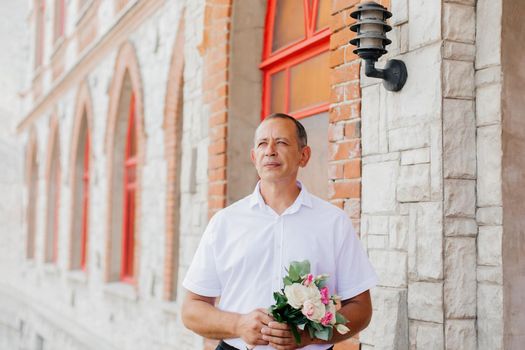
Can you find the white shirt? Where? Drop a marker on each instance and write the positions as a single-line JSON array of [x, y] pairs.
[[246, 247]]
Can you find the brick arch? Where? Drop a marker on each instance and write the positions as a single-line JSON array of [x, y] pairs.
[[173, 133], [53, 139], [31, 179], [126, 71], [83, 114]]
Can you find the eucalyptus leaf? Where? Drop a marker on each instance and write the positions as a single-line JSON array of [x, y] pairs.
[[323, 334], [339, 318]]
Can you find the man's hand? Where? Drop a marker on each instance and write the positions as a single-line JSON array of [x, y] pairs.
[[249, 327], [280, 336]]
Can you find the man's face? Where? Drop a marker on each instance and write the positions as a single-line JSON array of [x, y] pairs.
[[276, 153]]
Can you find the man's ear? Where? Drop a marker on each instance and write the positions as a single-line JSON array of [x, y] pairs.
[[306, 152], [252, 156]]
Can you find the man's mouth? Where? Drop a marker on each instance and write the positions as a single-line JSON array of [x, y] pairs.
[[272, 165]]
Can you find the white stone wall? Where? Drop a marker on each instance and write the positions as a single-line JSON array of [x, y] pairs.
[[427, 151], [70, 310]]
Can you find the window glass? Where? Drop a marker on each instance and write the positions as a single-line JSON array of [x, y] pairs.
[[323, 15], [278, 91], [289, 23]]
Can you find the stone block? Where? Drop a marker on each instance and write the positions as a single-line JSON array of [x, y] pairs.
[[488, 105], [376, 241], [380, 158], [370, 119], [405, 110], [379, 187], [461, 227], [377, 225], [436, 160], [490, 245], [389, 326], [490, 316], [425, 241], [460, 277], [460, 334], [425, 22], [399, 9], [459, 22], [425, 301], [460, 198], [488, 33], [413, 184], [459, 51], [490, 274], [415, 156], [428, 337], [458, 79], [488, 75], [410, 137], [398, 232], [391, 267], [459, 139], [490, 216], [489, 166]]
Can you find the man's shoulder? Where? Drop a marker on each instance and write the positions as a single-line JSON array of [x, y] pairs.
[[239, 207], [326, 208]]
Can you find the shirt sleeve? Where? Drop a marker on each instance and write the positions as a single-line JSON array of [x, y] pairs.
[[355, 273], [202, 277]]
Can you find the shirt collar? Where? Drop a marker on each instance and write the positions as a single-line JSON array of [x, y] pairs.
[[304, 198]]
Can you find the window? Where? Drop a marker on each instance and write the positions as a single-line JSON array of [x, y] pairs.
[[32, 172], [130, 183], [53, 201], [40, 6], [81, 197], [296, 75], [59, 22]]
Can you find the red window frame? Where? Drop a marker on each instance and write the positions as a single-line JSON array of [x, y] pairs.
[[85, 202], [314, 43], [130, 184], [60, 19], [40, 6]]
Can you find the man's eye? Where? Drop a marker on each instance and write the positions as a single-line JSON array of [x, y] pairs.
[[261, 144]]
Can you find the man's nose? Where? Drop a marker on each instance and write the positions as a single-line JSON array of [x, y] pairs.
[[270, 149]]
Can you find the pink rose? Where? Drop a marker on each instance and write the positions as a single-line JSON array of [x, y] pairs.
[[325, 296], [308, 279], [313, 310], [327, 318]]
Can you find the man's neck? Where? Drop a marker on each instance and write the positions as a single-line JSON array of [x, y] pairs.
[[279, 195]]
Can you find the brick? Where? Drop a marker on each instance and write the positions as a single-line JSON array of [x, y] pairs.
[[353, 130], [345, 73], [335, 132], [347, 189], [335, 171], [337, 94], [218, 118], [338, 203], [218, 132], [345, 112], [352, 91], [217, 161], [217, 147], [217, 189], [217, 174], [350, 56], [220, 12], [352, 169], [345, 150], [337, 57], [339, 5], [340, 38]]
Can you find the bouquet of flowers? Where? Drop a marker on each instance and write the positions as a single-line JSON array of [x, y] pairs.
[[306, 304]]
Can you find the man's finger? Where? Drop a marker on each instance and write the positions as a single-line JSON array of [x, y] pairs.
[[282, 333], [264, 317], [278, 325]]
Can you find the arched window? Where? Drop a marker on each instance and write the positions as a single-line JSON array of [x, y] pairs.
[[59, 20], [40, 9], [296, 75], [81, 183], [53, 199], [32, 194], [130, 184]]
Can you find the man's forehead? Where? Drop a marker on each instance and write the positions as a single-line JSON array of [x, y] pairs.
[[276, 128]]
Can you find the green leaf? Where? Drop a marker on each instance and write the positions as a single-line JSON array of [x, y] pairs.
[[339, 318], [323, 334], [295, 333], [287, 281], [298, 269], [311, 331]]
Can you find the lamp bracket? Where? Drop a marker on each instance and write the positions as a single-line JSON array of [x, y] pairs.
[[394, 74]]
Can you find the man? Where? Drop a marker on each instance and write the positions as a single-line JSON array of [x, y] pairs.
[[246, 247]]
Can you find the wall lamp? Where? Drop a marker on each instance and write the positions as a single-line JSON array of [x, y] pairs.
[[371, 40]]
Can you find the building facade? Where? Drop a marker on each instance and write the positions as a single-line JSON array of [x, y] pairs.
[[130, 124]]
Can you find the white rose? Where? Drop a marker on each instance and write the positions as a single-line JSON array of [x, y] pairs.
[[312, 293], [296, 294], [314, 310], [331, 308]]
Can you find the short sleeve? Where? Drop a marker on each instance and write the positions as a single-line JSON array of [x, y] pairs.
[[355, 273], [202, 278]]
